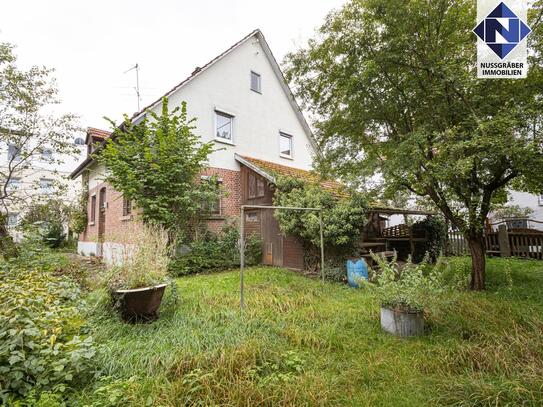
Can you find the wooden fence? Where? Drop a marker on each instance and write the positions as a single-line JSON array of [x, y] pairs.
[[502, 243]]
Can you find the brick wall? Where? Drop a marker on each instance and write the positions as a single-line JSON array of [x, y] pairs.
[[114, 220]]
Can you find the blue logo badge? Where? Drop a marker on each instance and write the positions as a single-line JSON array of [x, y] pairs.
[[502, 30]]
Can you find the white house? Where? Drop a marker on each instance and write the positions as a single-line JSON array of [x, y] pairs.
[[243, 104]]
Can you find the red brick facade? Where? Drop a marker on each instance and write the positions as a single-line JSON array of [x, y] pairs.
[[114, 221]]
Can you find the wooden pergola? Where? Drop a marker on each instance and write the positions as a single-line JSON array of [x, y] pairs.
[[378, 239]]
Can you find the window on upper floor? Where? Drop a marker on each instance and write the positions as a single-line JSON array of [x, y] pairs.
[[93, 209], [540, 200], [285, 145], [127, 206], [13, 153], [256, 82], [46, 154], [255, 187], [224, 127], [13, 219], [14, 183], [46, 186]]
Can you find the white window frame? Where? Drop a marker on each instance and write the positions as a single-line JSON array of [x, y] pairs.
[[232, 117], [259, 90], [49, 189], [14, 184], [290, 137], [10, 216], [17, 154], [44, 157]]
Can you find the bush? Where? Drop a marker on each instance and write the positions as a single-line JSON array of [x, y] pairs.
[[407, 288], [436, 234], [42, 345], [216, 251]]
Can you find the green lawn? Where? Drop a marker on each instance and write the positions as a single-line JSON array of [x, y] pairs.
[[302, 343]]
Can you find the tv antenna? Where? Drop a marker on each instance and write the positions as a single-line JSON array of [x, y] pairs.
[[137, 88]]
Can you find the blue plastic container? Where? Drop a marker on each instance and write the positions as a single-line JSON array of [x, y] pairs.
[[356, 270]]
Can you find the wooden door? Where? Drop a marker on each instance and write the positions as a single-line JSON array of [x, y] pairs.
[[272, 240]]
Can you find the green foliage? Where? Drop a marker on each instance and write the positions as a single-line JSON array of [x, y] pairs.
[[394, 88], [42, 342], [408, 287], [48, 219], [436, 233], [343, 217], [157, 164], [217, 251], [512, 211], [29, 123], [78, 214], [301, 342]]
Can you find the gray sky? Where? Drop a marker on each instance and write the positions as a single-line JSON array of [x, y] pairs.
[[91, 43]]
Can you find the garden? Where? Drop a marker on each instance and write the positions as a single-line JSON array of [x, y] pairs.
[[298, 342]]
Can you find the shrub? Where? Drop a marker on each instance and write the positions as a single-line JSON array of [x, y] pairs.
[[142, 259], [407, 288], [217, 251], [436, 234], [42, 345]]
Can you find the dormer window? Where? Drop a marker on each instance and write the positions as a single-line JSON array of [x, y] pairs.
[[285, 145], [255, 82]]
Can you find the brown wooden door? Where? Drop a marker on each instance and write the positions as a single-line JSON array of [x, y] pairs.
[[272, 240]]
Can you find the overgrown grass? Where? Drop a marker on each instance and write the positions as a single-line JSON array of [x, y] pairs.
[[302, 343]]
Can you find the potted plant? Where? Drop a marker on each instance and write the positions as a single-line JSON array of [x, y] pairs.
[[139, 276], [403, 292]]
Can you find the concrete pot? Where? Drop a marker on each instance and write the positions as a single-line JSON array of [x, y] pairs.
[[402, 323], [139, 304]]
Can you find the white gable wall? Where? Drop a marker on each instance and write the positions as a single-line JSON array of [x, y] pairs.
[[225, 86]]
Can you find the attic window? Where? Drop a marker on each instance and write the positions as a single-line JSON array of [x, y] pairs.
[[255, 82], [285, 145]]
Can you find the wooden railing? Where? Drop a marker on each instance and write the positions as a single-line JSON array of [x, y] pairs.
[[504, 243]]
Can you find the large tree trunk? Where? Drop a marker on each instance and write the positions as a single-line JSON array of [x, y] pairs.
[[478, 261], [8, 249]]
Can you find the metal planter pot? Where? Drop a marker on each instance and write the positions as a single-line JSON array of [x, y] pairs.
[[402, 323], [139, 304]]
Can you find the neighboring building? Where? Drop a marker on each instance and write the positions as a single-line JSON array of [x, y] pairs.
[[527, 200], [242, 103], [48, 174]]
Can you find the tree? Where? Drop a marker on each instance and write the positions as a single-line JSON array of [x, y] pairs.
[[28, 128], [393, 87], [157, 163], [344, 216], [50, 218]]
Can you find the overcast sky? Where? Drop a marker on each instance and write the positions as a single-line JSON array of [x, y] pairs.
[[91, 43]]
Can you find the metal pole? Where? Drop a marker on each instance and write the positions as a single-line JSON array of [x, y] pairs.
[[322, 245], [241, 256]]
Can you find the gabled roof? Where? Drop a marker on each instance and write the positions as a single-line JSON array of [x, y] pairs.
[[198, 71], [95, 133], [271, 171], [276, 69]]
